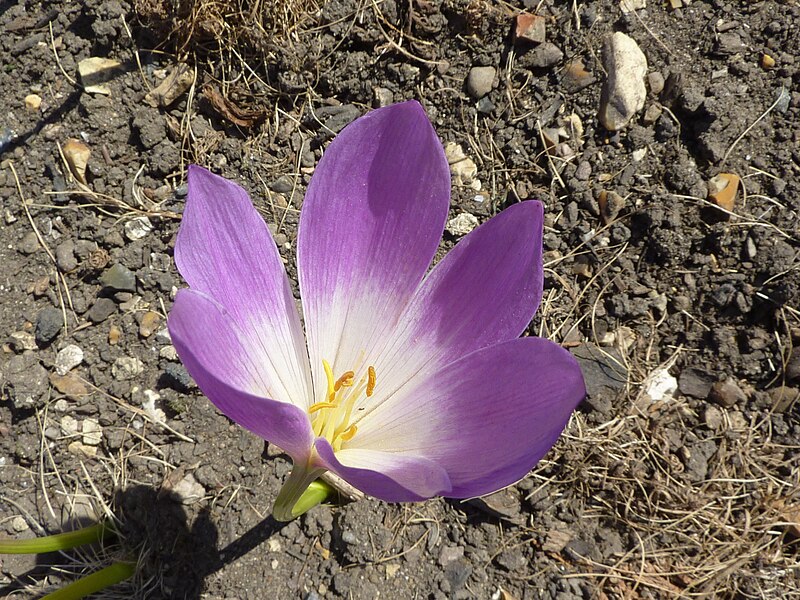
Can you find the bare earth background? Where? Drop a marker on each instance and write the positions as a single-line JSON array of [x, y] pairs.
[[691, 494]]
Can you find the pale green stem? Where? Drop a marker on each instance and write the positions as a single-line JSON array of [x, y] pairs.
[[59, 541], [298, 495], [94, 583]]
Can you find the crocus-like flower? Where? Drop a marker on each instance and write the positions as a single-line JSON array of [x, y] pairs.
[[407, 384]]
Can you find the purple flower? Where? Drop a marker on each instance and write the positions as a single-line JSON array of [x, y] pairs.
[[407, 384]]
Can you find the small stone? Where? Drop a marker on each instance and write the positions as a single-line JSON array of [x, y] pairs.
[[783, 398], [767, 62], [69, 425], [462, 168], [381, 97], [82, 450], [576, 77], [149, 323], [168, 353], [120, 278], [101, 310], [484, 106], [114, 335], [149, 406], [68, 358], [624, 91], [480, 81], [530, 28], [611, 203], [695, 383], [29, 243], [584, 171], [722, 190], [137, 228], [177, 377], [49, 322], [713, 418], [69, 385], [652, 114], [92, 432], [660, 385], [65, 256], [188, 490], [462, 224], [95, 71], [544, 56], [127, 367], [656, 82], [33, 102], [793, 365], [727, 393], [556, 540], [22, 340], [450, 554], [19, 524], [629, 6], [511, 560], [503, 504]]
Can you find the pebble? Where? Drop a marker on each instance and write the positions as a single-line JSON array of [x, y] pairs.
[[381, 97], [530, 28], [120, 278], [92, 432], [69, 385], [65, 256], [168, 353], [576, 77], [462, 168], [69, 425], [68, 358], [722, 190], [624, 91], [584, 170], [114, 335], [33, 102], [450, 554], [611, 203], [49, 322], [83, 450], [127, 367], [22, 340], [177, 377], [188, 490], [19, 524], [480, 81], [695, 383], [727, 393], [462, 224], [29, 243], [544, 56], [660, 385], [149, 323], [101, 310], [137, 228]]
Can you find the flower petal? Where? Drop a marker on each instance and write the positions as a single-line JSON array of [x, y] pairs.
[[225, 250], [370, 226], [487, 419], [484, 291], [389, 477], [226, 368]]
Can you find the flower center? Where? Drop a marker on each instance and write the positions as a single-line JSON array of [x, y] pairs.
[[331, 418]]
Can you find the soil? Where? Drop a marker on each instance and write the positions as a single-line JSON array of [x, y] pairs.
[[692, 493]]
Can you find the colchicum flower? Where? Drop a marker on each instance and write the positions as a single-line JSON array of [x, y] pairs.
[[408, 384]]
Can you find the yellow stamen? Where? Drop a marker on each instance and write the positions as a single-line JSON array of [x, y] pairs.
[[349, 433], [329, 376], [330, 418], [370, 381], [346, 380]]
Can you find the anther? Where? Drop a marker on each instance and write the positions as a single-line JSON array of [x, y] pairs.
[[320, 406], [370, 381], [349, 433], [346, 380]]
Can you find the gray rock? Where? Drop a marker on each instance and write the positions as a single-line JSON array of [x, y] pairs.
[[29, 243], [543, 56], [177, 378], [48, 324], [727, 393], [26, 378], [695, 383], [65, 256], [120, 278], [624, 91], [127, 367], [68, 358], [101, 310], [480, 81]]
